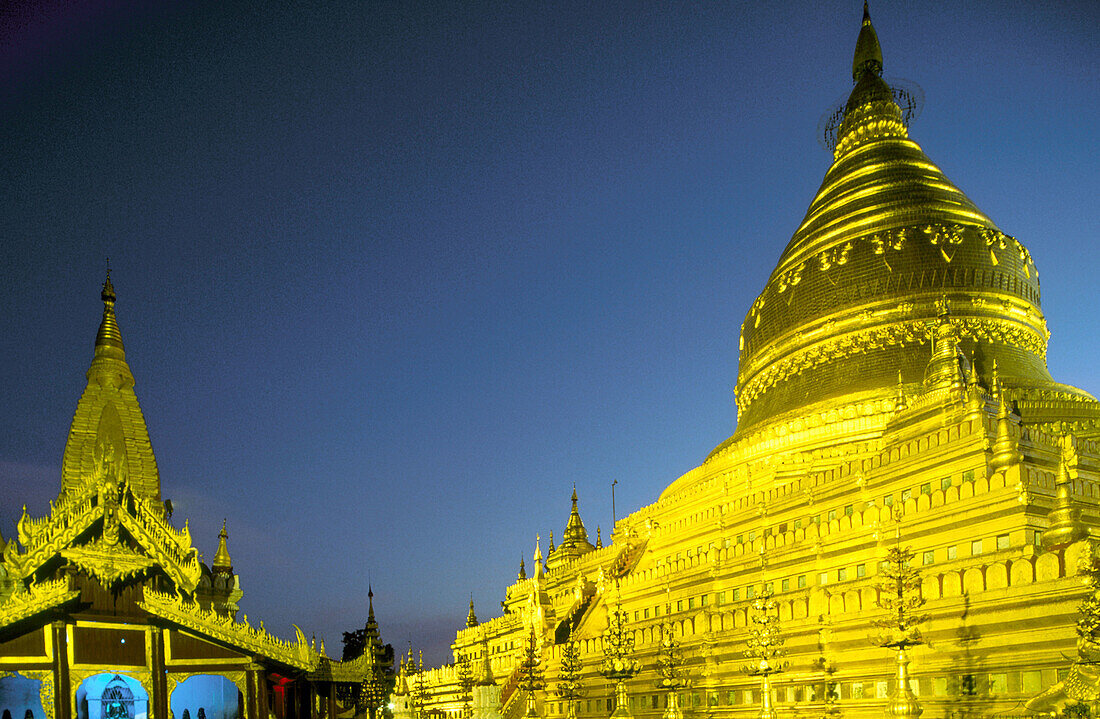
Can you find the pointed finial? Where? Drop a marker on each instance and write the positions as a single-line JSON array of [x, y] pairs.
[[550, 547], [109, 339], [599, 538], [108, 292], [868, 55], [574, 494], [522, 569], [538, 557], [222, 562]]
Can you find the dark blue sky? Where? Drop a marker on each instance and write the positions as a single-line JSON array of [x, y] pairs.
[[393, 276]]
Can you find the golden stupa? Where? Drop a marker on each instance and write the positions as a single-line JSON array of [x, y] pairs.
[[900, 445]]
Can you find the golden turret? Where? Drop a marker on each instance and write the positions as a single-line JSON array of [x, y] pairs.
[[471, 618], [522, 569], [1065, 526], [222, 562], [575, 534], [574, 541], [1006, 452]]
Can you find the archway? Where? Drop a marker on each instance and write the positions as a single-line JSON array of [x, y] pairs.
[[111, 696], [206, 696], [19, 695]]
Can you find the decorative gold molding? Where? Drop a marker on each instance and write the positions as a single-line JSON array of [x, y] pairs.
[[109, 563], [223, 628], [898, 333], [115, 502], [37, 598]]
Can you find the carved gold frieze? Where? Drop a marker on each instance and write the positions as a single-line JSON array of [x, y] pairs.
[[790, 278], [38, 597], [223, 628], [898, 333], [115, 503], [946, 238], [107, 562]]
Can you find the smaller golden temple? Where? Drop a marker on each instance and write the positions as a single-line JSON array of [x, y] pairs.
[[108, 612]]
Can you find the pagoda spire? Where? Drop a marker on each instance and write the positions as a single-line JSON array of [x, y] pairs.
[[471, 618], [868, 54], [108, 437], [522, 569], [222, 562], [575, 533], [370, 631]]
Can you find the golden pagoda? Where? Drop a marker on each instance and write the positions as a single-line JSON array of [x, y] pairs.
[[892, 394]]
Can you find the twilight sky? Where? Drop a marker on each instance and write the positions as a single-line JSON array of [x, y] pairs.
[[393, 276]]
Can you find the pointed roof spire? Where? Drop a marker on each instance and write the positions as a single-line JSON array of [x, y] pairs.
[[370, 631], [222, 562], [868, 55], [575, 538], [550, 549], [599, 538], [471, 618], [522, 569], [108, 433]]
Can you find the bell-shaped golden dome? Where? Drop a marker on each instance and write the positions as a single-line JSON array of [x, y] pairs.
[[853, 300]]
